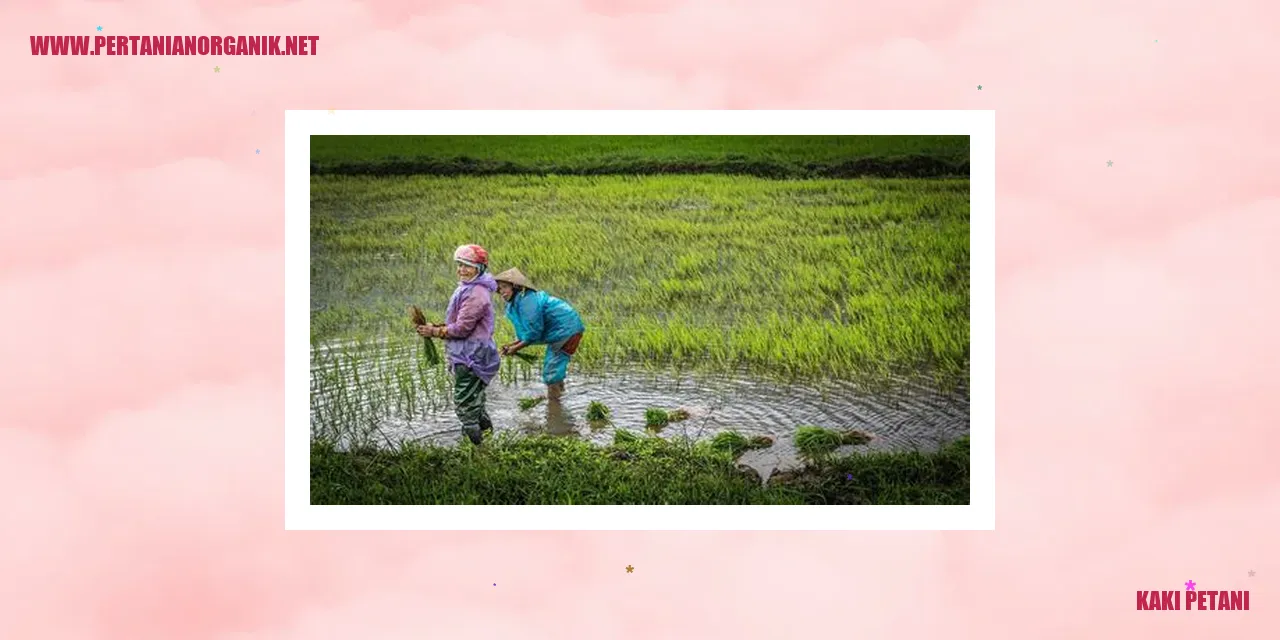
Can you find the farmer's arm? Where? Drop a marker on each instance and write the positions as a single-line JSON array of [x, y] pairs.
[[470, 311]]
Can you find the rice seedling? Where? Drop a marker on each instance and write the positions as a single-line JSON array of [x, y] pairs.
[[737, 443], [429, 353], [656, 418], [731, 441], [527, 357], [677, 415], [597, 413], [531, 402], [816, 442]]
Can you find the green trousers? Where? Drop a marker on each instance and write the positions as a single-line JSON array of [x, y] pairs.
[[468, 401]]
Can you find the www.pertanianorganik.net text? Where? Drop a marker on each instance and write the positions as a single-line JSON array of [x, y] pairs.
[[174, 45]]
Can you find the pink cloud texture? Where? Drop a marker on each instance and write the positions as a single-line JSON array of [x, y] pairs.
[[141, 286]]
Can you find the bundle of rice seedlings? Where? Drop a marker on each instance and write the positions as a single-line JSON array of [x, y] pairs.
[[816, 442], [737, 444], [731, 441], [527, 357], [429, 352], [597, 412], [678, 415], [656, 418], [529, 403]]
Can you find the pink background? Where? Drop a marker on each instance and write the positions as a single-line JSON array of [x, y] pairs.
[[141, 252]]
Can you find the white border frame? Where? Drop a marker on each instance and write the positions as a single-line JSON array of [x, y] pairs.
[[301, 515]]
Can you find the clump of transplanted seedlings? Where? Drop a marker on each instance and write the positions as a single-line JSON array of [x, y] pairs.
[[816, 442], [656, 419], [598, 414], [737, 443]]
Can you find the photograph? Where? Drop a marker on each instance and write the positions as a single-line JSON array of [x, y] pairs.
[[639, 319]]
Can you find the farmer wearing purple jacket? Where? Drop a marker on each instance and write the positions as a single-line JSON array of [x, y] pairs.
[[469, 348]]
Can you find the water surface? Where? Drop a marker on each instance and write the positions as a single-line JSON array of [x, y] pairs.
[[384, 396]]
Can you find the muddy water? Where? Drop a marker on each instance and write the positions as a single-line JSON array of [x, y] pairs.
[[910, 413]]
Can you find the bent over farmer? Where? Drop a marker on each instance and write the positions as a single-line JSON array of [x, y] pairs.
[[540, 318], [471, 353]]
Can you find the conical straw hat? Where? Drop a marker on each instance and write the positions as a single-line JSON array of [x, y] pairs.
[[514, 276]]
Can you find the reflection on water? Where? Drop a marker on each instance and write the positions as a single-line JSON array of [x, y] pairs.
[[559, 421], [386, 392]]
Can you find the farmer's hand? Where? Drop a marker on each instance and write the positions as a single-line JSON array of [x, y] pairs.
[[433, 331]]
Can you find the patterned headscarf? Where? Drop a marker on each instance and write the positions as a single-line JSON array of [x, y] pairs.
[[472, 255]]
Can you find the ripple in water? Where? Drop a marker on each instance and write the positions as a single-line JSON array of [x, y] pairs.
[[385, 393]]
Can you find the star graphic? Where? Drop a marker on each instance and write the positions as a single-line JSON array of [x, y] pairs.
[[1108, 163], [257, 151], [217, 69], [99, 27], [1191, 585], [1250, 573], [979, 87], [630, 568]]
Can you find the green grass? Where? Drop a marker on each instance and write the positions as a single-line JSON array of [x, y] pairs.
[[509, 469], [764, 156], [831, 278]]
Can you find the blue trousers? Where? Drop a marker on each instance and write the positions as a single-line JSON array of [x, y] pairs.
[[555, 364]]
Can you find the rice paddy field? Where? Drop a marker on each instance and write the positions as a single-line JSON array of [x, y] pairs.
[[769, 319], [764, 156]]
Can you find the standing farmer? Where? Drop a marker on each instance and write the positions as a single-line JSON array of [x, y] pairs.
[[539, 318], [468, 339]]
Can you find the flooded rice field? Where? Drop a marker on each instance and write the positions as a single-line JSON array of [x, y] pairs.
[[385, 395]]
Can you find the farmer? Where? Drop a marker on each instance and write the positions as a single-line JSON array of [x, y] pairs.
[[539, 318], [468, 339]]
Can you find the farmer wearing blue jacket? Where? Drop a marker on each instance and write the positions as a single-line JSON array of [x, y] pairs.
[[540, 318]]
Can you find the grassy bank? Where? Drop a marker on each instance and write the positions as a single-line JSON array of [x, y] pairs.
[[761, 156], [511, 469]]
